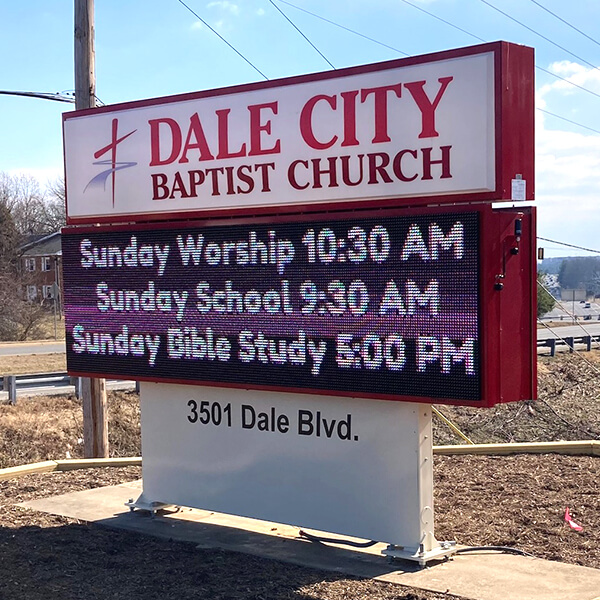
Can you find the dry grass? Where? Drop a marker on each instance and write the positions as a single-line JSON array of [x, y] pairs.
[[32, 363], [43, 428], [39, 429], [51, 329], [568, 409]]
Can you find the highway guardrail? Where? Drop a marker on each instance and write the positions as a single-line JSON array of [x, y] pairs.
[[14, 383]]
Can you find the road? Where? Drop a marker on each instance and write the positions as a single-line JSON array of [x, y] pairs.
[[20, 348], [584, 328]]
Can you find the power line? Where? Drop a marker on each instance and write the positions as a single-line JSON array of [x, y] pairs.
[[566, 22], [434, 16], [568, 81], [568, 120], [43, 95], [444, 21], [568, 245], [476, 37], [300, 32], [362, 35], [223, 39], [537, 33]]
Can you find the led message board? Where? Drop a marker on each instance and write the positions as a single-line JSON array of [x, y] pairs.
[[399, 133], [383, 306]]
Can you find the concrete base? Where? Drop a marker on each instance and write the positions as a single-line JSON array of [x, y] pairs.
[[480, 576]]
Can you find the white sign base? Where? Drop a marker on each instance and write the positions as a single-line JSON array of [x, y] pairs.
[[362, 468]]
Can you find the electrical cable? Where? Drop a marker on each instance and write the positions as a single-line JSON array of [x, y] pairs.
[[301, 33], [567, 81], [434, 16], [538, 34], [566, 22], [43, 95], [326, 540], [507, 549], [223, 39], [568, 245], [362, 35], [568, 120], [444, 21]]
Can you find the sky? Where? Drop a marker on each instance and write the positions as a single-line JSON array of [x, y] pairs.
[[154, 48]]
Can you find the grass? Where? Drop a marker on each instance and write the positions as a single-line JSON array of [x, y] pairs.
[[32, 363], [51, 428], [48, 331]]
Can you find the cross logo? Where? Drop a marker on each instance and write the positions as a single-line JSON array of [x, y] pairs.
[[114, 166]]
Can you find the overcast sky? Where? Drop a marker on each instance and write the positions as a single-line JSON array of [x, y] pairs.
[[158, 47]]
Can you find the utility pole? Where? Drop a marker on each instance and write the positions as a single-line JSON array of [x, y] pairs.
[[95, 408]]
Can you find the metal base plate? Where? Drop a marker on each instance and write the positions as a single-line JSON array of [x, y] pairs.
[[152, 507], [442, 551]]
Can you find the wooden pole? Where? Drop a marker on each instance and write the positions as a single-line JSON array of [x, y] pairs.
[[95, 418], [85, 76], [95, 408]]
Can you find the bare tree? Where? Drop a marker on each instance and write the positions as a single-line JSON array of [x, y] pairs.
[[27, 202], [19, 318], [55, 207], [9, 241], [24, 209], [33, 210]]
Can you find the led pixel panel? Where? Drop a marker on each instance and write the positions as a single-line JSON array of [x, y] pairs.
[[380, 306]]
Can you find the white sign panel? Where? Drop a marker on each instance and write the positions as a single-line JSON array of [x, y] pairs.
[[347, 466], [396, 130]]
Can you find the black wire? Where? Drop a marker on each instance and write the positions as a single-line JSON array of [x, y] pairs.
[[434, 16], [401, 52], [566, 22], [42, 95], [537, 33], [300, 32], [223, 39], [567, 81], [444, 21], [568, 120], [569, 245], [325, 540], [507, 549], [459, 29], [362, 35]]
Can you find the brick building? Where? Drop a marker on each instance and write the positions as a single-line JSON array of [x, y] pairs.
[[41, 265]]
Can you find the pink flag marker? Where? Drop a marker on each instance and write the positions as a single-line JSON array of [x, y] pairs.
[[570, 521]]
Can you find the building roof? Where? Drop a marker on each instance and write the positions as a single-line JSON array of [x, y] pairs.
[[48, 245]]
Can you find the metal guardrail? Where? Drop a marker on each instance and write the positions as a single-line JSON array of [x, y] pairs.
[[14, 383], [568, 343]]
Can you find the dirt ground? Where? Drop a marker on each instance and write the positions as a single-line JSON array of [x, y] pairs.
[[516, 501]]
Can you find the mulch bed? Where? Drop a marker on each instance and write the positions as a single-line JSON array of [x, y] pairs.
[[514, 501]]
